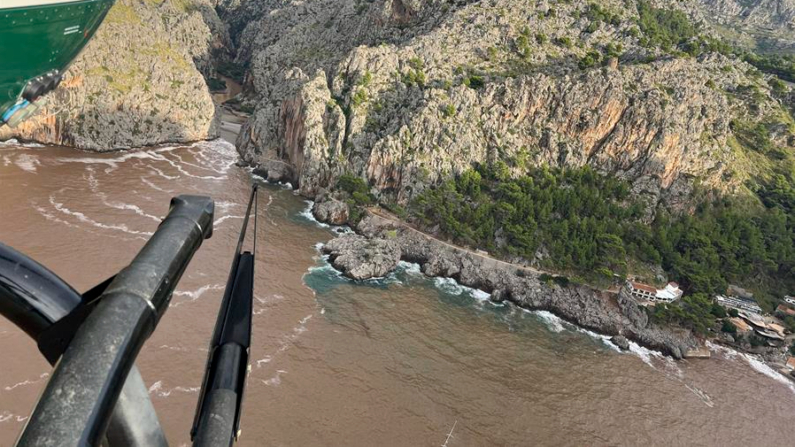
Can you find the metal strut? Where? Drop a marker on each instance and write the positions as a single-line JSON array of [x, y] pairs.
[[217, 419], [76, 405]]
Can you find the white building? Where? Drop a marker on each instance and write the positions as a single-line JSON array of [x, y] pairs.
[[643, 292], [789, 299], [733, 302]]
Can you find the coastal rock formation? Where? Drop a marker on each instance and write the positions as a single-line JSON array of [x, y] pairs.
[[382, 244], [331, 211], [620, 341], [137, 83], [361, 258], [405, 94]]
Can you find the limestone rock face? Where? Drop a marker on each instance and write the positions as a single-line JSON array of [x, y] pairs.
[[331, 211], [405, 94], [361, 258], [137, 82]]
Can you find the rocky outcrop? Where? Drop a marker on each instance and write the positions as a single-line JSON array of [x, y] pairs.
[[620, 341], [137, 83], [405, 94], [382, 244], [332, 211], [361, 258]]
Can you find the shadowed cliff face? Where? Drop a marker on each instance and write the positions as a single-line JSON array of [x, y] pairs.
[[407, 94], [137, 83]]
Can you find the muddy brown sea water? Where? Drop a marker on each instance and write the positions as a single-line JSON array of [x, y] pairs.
[[399, 361]]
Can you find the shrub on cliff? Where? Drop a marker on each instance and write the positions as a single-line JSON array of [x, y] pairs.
[[587, 223], [728, 327], [664, 28]]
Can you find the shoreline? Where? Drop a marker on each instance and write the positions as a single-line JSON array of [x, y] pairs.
[[700, 349], [378, 244]]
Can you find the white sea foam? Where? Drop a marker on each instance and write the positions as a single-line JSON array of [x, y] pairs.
[[411, 268], [223, 206], [552, 321], [194, 295], [307, 214], [27, 382], [85, 219], [27, 162], [112, 163], [178, 167], [761, 367], [11, 142], [128, 207], [263, 361], [163, 174], [52, 218], [276, 379], [448, 285], [755, 362], [158, 390], [272, 298], [223, 218], [701, 394], [6, 416], [155, 187], [14, 143], [453, 287]]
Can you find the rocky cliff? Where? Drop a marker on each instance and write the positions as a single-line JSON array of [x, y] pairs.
[[137, 83], [405, 93], [382, 244]]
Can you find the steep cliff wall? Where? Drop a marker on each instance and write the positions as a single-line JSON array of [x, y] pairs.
[[406, 93], [137, 83]]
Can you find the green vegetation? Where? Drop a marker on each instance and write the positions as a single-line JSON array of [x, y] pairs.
[[598, 15], [232, 70], [756, 137], [448, 111], [664, 28], [781, 66], [216, 84], [577, 215], [692, 311], [358, 195], [416, 74], [587, 224], [592, 59], [728, 327], [474, 81], [359, 97], [523, 45]]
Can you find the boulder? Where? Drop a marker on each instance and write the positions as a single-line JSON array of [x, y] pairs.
[[361, 258], [621, 342], [332, 211]]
